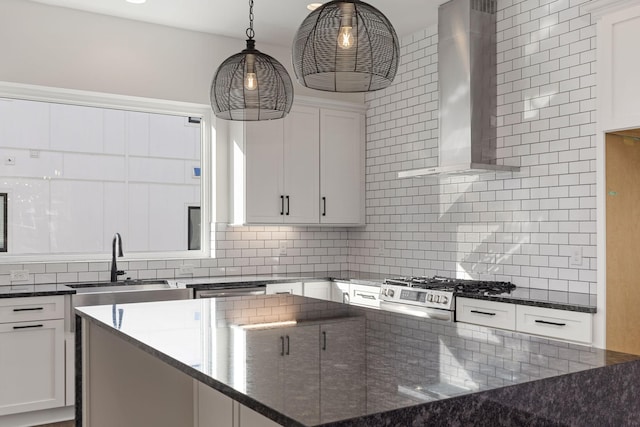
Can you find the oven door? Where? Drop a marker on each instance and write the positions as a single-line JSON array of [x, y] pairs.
[[412, 310]]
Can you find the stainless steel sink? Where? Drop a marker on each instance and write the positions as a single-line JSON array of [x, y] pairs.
[[128, 291], [124, 286]]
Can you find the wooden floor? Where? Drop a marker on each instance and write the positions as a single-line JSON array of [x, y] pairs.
[[63, 424]]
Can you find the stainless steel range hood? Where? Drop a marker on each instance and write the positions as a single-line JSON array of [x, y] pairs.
[[467, 90]]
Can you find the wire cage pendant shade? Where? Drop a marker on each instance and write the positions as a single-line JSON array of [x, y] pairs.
[[346, 46], [251, 85]]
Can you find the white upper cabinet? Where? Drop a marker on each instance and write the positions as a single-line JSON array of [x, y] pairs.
[[301, 168], [341, 167], [264, 150], [305, 169], [618, 32]]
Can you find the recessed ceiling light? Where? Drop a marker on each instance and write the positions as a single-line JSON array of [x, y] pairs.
[[313, 6], [136, 1]]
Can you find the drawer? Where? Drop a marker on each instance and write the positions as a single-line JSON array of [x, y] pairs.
[[486, 313], [368, 296], [32, 308], [549, 322]]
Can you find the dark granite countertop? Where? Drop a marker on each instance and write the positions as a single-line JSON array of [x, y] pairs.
[[22, 291], [570, 301], [375, 367], [200, 283]]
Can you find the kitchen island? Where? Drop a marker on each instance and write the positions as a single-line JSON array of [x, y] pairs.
[[291, 360]]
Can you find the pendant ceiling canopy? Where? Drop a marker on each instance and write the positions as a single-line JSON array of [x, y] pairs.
[[346, 46], [251, 85]]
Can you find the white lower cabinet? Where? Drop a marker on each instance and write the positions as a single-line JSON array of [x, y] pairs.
[[217, 410], [340, 292], [547, 322], [293, 288], [486, 313], [31, 366], [560, 324], [364, 295], [319, 290]]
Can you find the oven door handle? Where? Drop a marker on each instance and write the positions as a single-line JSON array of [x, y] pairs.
[[430, 313]]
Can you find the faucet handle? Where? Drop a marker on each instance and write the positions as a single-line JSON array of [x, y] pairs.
[[120, 273]]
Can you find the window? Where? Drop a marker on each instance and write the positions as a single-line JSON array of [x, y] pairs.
[[78, 173]]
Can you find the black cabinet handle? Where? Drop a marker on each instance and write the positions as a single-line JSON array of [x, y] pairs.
[[366, 296], [28, 309], [281, 346], [324, 340], [281, 205], [27, 327], [483, 312], [551, 323], [288, 202], [288, 344], [324, 206]]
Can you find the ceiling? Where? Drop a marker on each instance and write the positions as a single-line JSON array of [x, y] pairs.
[[276, 21]]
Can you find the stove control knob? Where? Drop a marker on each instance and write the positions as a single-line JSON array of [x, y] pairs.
[[383, 291], [436, 298], [390, 293], [444, 299], [430, 297]]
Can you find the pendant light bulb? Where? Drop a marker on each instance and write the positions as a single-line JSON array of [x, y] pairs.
[[345, 34], [250, 78], [251, 81], [345, 37]]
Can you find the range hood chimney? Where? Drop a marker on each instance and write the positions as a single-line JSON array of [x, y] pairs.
[[467, 90]]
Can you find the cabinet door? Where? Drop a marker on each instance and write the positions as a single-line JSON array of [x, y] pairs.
[[342, 370], [319, 290], [264, 172], [301, 366], [341, 167], [31, 366], [340, 292], [301, 165], [294, 288]]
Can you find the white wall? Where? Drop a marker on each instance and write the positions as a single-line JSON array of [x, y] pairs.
[[57, 47], [524, 226]]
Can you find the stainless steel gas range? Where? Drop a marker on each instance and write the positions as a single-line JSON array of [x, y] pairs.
[[433, 297]]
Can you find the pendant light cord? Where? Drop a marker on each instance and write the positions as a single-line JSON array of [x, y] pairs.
[[250, 33]]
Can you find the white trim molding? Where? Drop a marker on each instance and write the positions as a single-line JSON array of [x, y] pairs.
[[599, 8], [122, 102]]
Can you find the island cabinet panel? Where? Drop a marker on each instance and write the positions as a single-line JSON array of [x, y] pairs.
[[31, 366], [261, 375], [342, 369]]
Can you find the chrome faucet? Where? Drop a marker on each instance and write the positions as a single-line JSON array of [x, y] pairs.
[[117, 241]]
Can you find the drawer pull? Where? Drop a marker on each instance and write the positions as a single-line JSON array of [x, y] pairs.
[[366, 296], [551, 323], [27, 327], [486, 313], [281, 346], [283, 293], [16, 310]]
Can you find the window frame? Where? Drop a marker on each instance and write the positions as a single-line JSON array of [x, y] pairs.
[[138, 104]]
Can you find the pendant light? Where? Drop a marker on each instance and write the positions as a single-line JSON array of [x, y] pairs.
[[251, 85], [346, 46]]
